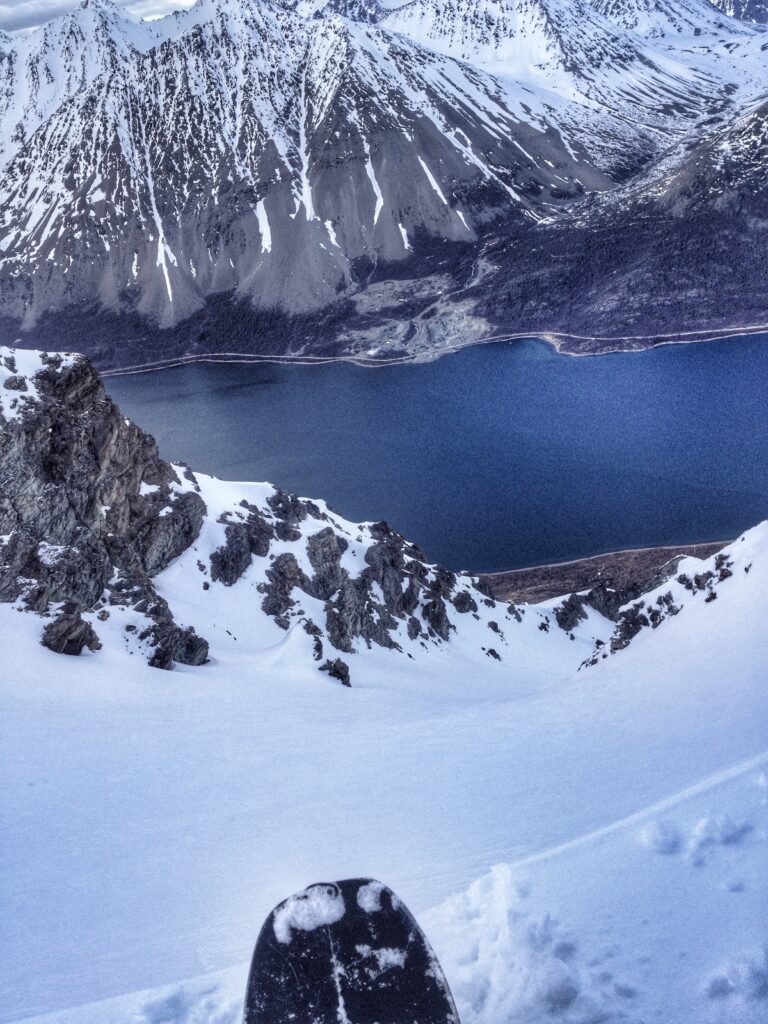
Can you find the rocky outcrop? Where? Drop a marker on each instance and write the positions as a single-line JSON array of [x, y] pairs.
[[89, 512], [609, 601], [337, 669], [370, 599], [570, 613], [665, 601], [91, 517], [173, 644], [250, 535], [69, 634], [394, 584]]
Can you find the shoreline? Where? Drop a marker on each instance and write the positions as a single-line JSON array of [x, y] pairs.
[[556, 340], [595, 567], [617, 569], [619, 553]]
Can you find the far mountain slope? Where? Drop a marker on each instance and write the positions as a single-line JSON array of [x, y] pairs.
[[305, 153], [41, 71], [692, 234], [577, 48], [304, 177], [661, 18], [747, 10]]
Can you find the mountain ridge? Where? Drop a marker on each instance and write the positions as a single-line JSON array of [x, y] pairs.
[[748, 10], [324, 165], [103, 540]]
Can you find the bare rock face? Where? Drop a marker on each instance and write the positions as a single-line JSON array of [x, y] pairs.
[[175, 644], [337, 669], [251, 535], [69, 634], [324, 551], [464, 602], [84, 499], [570, 613]]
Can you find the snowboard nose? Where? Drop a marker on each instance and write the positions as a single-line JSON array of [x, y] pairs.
[[346, 952]]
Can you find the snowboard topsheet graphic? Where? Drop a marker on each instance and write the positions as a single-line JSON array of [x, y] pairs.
[[345, 953]]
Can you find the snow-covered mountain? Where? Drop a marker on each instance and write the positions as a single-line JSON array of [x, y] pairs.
[[271, 160], [689, 222], [306, 151], [661, 18], [569, 39], [747, 10], [43, 70]]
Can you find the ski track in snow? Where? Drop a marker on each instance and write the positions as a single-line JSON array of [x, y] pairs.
[[661, 807]]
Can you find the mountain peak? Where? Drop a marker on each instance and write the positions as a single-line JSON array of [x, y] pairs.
[[98, 5], [104, 9], [58, 59], [664, 18], [102, 16]]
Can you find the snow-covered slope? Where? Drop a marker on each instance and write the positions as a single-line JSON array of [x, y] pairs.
[[306, 152], [653, 61], [45, 69], [566, 40], [693, 35], [691, 19], [748, 10], [159, 816], [692, 220], [721, 170], [114, 548]]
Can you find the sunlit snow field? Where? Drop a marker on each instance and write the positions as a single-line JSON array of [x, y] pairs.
[[151, 820]]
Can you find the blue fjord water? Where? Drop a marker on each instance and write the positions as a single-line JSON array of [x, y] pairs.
[[496, 457]]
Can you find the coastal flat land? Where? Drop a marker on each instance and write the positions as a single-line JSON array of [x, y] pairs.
[[619, 569]]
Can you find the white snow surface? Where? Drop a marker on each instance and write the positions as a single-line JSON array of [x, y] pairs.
[[16, 364], [616, 817]]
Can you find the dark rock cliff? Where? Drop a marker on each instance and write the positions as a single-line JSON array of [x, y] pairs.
[[90, 515], [89, 512]]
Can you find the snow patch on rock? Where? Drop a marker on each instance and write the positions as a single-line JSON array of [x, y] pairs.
[[369, 897], [316, 907]]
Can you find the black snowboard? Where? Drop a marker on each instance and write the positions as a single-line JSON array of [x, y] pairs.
[[345, 953]]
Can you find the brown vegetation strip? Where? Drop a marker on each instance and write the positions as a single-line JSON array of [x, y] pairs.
[[618, 569]]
